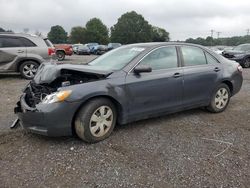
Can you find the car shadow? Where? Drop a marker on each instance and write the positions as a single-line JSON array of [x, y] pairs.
[[74, 140], [10, 75], [169, 117]]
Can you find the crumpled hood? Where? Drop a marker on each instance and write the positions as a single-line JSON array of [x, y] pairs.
[[48, 72]]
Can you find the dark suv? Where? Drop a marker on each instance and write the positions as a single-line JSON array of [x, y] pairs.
[[240, 53], [23, 53]]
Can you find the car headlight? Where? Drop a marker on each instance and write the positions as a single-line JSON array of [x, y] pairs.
[[56, 97]]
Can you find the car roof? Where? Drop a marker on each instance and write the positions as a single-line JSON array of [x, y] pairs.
[[247, 44], [158, 44], [20, 35]]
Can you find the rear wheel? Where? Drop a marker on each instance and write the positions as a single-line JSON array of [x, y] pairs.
[[28, 69], [60, 55], [247, 63], [96, 120], [220, 99]]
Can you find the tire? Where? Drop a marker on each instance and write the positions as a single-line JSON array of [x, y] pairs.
[[60, 55], [90, 125], [246, 63], [220, 99], [28, 69]]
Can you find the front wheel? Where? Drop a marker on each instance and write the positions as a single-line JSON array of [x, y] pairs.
[[220, 99], [96, 120]]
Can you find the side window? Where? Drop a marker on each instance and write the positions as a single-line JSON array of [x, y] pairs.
[[27, 42], [162, 58], [8, 42], [211, 59], [193, 56]]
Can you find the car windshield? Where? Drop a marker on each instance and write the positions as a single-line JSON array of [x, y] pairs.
[[116, 59], [242, 48]]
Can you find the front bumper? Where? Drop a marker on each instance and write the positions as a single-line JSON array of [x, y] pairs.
[[239, 60], [47, 119]]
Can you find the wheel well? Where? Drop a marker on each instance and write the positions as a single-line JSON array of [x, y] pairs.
[[21, 62], [118, 107], [60, 51], [229, 84], [247, 57]]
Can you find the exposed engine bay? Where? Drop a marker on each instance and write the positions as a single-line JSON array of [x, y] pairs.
[[49, 79]]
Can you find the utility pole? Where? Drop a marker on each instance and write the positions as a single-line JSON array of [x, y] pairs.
[[218, 34], [212, 33], [248, 31]]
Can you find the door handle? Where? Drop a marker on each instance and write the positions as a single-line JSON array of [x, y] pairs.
[[216, 69], [177, 75], [20, 51]]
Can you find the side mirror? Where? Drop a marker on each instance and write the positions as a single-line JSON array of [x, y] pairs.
[[142, 68]]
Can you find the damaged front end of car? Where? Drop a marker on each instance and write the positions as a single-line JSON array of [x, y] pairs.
[[43, 99]]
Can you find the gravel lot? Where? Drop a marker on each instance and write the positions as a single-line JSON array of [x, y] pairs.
[[188, 149]]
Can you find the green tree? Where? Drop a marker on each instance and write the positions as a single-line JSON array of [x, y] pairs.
[[78, 35], [131, 28], [96, 31], [160, 35], [209, 41], [57, 34], [2, 30]]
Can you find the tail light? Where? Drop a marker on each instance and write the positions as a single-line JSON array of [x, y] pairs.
[[240, 69], [51, 51]]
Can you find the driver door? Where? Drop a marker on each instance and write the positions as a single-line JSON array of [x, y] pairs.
[[158, 91]]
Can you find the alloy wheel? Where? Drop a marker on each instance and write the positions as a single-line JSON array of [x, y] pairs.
[[29, 70], [247, 63]]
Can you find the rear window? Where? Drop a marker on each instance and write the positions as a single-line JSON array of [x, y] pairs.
[[193, 56], [211, 59], [27, 42], [48, 43]]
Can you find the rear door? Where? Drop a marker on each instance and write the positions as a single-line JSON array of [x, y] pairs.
[[157, 91], [11, 49], [201, 74]]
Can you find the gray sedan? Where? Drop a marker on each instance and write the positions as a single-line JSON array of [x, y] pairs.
[[127, 84]]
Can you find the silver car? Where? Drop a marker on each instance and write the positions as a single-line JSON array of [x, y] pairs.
[[23, 53]]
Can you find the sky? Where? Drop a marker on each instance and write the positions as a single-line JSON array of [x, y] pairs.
[[181, 18]]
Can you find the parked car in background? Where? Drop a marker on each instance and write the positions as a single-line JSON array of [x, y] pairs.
[[100, 49], [91, 46], [75, 47], [112, 46], [83, 50], [220, 49], [240, 53], [62, 50], [126, 84], [24, 53]]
